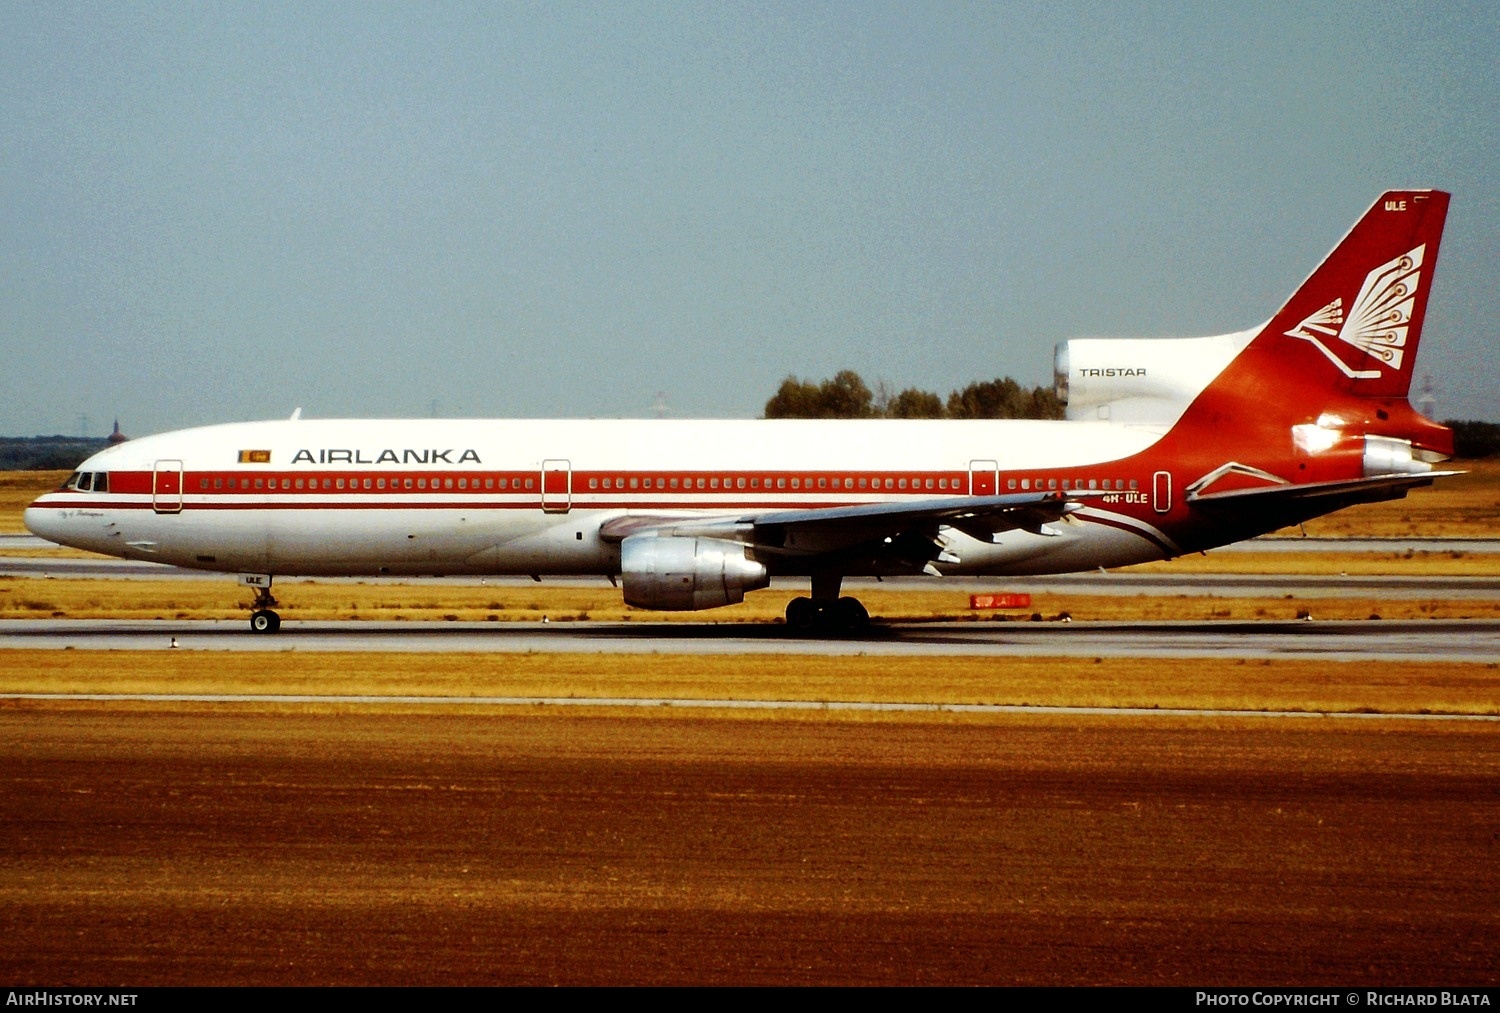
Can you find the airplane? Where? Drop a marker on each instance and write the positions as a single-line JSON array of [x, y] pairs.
[[1169, 446]]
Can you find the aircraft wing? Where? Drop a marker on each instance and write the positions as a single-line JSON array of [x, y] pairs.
[[907, 535]]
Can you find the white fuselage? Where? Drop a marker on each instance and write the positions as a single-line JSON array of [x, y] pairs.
[[357, 497]]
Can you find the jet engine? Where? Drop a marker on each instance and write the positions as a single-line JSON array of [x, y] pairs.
[[1142, 380], [681, 574]]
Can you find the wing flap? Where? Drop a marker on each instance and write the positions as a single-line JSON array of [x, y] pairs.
[[907, 530]]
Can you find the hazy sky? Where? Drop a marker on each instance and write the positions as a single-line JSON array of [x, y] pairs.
[[215, 212]]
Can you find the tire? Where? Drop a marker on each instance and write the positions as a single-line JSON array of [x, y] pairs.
[[265, 621], [851, 616], [801, 614]]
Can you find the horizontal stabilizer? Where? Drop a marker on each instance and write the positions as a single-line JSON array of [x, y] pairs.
[[1357, 489]]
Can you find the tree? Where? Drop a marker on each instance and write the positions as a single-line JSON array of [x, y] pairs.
[[843, 397], [1000, 398], [846, 396], [794, 399], [1473, 439], [915, 404]]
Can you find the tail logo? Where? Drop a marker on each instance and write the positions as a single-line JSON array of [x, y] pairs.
[[1377, 323]]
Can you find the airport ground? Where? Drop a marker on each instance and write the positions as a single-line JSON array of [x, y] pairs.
[[289, 845], [275, 842]]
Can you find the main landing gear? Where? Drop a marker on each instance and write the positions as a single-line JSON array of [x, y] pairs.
[[825, 611], [264, 619]]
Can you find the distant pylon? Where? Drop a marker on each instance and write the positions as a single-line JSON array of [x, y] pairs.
[[1426, 398]]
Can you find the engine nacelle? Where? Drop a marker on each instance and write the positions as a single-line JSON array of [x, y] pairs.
[[1387, 456], [676, 574], [1143, 380]]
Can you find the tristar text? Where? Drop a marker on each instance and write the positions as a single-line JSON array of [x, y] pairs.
[[1114, 371], [407, 456]]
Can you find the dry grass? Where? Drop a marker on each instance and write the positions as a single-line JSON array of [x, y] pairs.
[[1111, 682], [1407, 563], [1466, 506], [17, 490]]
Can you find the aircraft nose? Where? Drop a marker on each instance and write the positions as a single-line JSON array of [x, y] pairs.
[[45, 522]]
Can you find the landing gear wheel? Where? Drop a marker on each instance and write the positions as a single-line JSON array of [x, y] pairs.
[[850, 616], [801, 614], [843, 615], [265, 621]]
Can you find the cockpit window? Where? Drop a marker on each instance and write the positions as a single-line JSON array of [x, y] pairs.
[[88, 481]]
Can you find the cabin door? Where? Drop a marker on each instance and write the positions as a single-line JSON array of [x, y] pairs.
[[983, 480], [1161, 492], [166, 487], [557, 486]]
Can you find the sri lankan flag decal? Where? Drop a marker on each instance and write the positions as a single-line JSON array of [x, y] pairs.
[[255, 457]]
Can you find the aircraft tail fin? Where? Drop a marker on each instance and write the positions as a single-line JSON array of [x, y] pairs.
[[1356, 322], [1340, 354]]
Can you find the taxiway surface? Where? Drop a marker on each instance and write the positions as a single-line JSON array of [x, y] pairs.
[[1467, 641]]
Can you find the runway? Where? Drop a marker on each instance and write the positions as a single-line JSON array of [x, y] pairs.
[[1110, 583], [1461, 641]]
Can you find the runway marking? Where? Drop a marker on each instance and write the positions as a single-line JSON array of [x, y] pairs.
[[689, 703]]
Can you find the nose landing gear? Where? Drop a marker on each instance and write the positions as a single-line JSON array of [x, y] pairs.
[[264, 619]]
